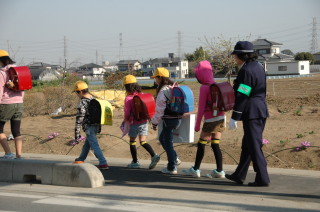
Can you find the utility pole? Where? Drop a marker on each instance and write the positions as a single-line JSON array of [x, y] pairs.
[[65, 53], [65, 59], [314, 41], [97, 57], [120, 47]]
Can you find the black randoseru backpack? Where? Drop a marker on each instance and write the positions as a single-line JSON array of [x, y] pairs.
[[94, 110]]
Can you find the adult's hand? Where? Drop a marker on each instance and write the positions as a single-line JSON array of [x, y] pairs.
[[233, 124]]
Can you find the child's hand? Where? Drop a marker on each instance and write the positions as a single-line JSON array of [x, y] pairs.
[[197, 129], [10, 85], [79, 138]]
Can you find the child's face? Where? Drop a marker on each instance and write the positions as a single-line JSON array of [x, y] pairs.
[[157, 80], [79, 94]]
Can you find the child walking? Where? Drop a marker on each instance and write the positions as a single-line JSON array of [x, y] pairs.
[[89, 126], [171, 120], [137, 127], [214, 124], [11, 108]]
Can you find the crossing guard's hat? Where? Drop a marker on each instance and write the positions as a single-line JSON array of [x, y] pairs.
[[243, 47]]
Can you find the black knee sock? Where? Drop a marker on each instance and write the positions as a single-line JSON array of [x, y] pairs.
[[200, 154], [148, 148], [218, 156], [133, 151]]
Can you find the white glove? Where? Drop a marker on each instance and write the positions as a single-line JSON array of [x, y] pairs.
[[233, 124]]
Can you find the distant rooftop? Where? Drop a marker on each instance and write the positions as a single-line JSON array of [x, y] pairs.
[[265, 42]]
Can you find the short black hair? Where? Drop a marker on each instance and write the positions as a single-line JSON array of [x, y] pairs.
[[6, 60], [248, 57], [84, 90]]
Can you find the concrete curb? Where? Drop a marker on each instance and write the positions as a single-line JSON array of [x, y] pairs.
[[51, 173]]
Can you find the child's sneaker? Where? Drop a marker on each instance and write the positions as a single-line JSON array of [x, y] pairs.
[[134, 165], [9, 156], [178, 162], [154, 161], [78, 161], [191, 171], [217, 174], [104, 166], [166, 171]]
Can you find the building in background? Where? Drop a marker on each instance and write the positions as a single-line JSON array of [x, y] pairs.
[[277, 63], [178, 68], [129, 65], [45, 72], [91, 71]]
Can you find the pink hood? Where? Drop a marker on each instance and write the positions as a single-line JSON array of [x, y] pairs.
[[204, 73]]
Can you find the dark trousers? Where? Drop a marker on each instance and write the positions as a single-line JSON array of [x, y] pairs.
[[166, 140], [251, 151]]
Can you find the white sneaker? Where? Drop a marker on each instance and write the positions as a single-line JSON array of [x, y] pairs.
[[217, 174], [178, 162], [133, 165], [9, 156], [154, 161], [191, 171], [166, 171]]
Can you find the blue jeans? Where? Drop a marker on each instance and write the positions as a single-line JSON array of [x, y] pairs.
[[166, 138], [92, 142]]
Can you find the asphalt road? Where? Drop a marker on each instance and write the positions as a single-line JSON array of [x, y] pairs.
[[150, 190]]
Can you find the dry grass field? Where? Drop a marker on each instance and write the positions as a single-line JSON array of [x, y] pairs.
[[294, 106]]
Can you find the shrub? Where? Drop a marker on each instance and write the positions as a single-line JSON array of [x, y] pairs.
[[48, 100]]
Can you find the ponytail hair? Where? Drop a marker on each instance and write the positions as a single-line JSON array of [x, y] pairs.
[[164, 81], [133, 87]]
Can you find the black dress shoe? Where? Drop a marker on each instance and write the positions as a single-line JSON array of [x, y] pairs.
[[232, 178], [255, 184]]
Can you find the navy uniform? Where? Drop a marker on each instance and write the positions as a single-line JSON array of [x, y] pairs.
[[250, 108]]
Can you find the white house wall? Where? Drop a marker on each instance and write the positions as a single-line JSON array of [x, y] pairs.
[[98, 70], [292, 68]]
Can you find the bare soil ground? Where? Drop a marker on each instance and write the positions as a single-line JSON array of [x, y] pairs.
[[294, 106]]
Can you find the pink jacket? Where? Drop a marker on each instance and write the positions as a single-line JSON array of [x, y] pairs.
[[204, 75], [8, 96], [128, 110]]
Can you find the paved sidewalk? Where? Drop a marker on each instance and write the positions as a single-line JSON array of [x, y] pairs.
[[290, 190]]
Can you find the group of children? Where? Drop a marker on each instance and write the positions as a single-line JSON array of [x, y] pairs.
[[250, 107], [214, 124]]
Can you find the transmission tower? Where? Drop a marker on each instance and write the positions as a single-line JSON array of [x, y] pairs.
[[314, 41], [179, 43]]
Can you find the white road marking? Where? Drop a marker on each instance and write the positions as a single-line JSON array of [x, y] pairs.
[[116, 204], [22, 195]]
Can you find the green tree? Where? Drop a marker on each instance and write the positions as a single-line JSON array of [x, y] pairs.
[[198, 55], [304, 56], [219, 50]]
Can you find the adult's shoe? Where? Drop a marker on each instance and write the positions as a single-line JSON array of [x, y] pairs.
[[255, 184], [234, 179]]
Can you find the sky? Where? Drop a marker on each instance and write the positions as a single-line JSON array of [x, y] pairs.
[[86, 31]]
